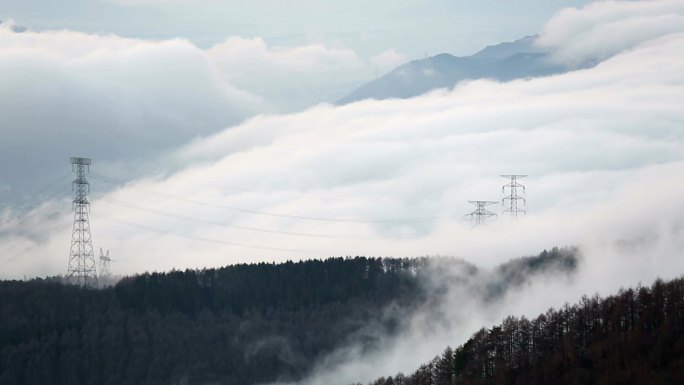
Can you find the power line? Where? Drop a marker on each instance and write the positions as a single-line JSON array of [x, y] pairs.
[[291, 216], [54, 184], [288, 216], [315, 194], [212, 223], [201, 239], [26, 250], [50, 186]]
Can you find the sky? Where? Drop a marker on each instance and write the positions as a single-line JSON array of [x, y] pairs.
[[371, 37], [383, 178], [104, 78], [412, 27], [192, 168]]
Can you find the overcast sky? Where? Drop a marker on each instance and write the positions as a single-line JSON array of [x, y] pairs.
[[369, 27]]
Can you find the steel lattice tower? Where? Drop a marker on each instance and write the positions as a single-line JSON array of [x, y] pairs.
[[81, 259], [104, 264], [513, 199], [480, 215]]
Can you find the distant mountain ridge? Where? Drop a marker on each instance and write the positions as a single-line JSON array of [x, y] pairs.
[[504, 61]]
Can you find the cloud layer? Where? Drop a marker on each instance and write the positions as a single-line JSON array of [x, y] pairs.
[[290, 77], [122, 100], [603, 147], [605, 28], [414, 163], [68, 93]]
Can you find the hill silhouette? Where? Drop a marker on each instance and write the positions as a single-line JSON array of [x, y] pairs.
[[503, 62], [633, 337], [242, 324]]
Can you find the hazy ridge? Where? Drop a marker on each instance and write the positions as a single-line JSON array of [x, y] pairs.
[[503, 62]]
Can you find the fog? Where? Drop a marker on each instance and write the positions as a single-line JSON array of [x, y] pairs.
[[623, 256], [603, 148], [394, 177]]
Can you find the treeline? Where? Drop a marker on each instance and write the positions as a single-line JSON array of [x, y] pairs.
[[268, 286], [242, 324], [634, 337]]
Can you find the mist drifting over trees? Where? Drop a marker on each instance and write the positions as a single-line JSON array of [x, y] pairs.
[[633, 337], [243, 324]]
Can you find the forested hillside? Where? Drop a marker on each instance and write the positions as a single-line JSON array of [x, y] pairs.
[[243, 324], [634, 337]]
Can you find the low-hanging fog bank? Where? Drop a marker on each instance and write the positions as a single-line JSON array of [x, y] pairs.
[[602, 147]]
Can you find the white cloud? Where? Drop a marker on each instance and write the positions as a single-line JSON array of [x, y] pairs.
[[605, 28], [388, 60], [121, 100], [422, 157], [247, 58], [68, 93], [291, 77], [604, 148]]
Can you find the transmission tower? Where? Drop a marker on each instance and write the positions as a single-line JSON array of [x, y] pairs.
[[105, 260], [513, 203], [81, 259], [480, 215]]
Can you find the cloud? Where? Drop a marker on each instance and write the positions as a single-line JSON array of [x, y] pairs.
[[603, 148], [291, 77], [622, 252], [581, 136], [68, 93], [604, 28], [388, 60], [246, 58], [124, 100]]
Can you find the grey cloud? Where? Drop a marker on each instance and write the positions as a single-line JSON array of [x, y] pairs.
[[582, 137], [603, 147], [68, 93]]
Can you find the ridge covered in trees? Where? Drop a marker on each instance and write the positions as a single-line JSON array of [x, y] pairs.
[[634, 337], [243, 324]]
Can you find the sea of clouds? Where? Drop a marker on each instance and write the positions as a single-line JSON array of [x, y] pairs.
[[603, 148]]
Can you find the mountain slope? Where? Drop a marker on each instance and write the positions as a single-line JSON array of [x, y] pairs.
[[243, 324], [634, 337], [505, 61]]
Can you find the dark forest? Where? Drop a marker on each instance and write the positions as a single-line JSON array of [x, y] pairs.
[[634, 337], [242, 324]]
